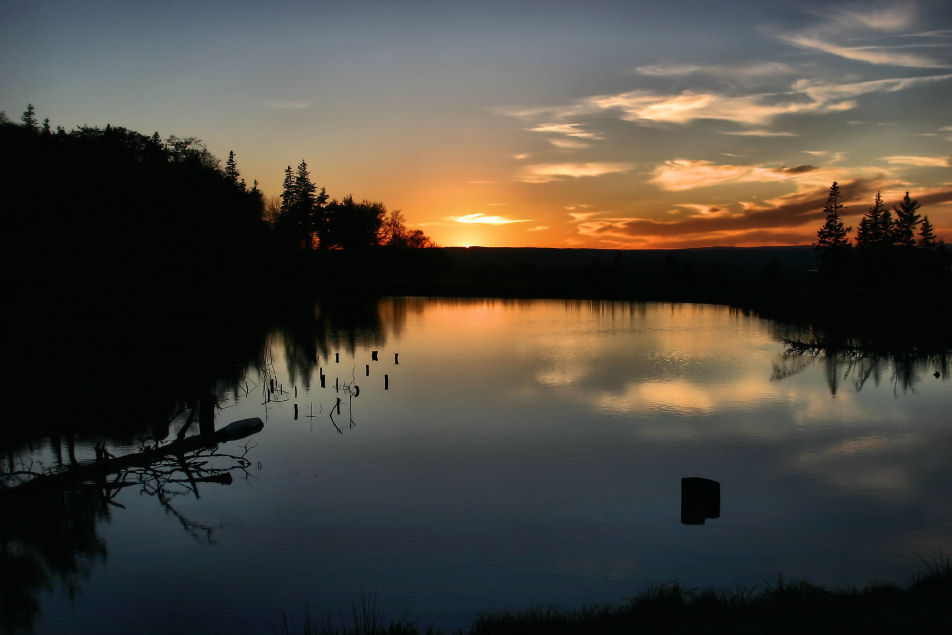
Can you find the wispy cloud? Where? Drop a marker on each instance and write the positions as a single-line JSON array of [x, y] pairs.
[[785, 220], [567, 129], [893, 17], [579, 217], [485, 219], [761, 69], [754, 112], [824, 92], [918, 161], [804, 97], [686, 174], [790, 219], [538, 228], [569, 144], [869, 23], [701, 210], [548, 172], [758, 133], [880, 55]]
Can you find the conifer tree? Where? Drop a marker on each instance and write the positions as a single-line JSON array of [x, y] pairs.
[[876, 227], [927, 234], [907, 217], [287, 192], [29, 117], [303, 187], [231, 169], [832, 244], [299, 207]]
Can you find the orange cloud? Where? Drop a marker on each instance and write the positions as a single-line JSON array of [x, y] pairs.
[[567, 129], [919, 162], [484, 219], [686, 174], [791, 219], [548, 172]]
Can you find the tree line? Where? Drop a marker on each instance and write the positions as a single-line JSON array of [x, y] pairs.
[[886, 240], [175, 184], [305, 219], [107, 232]]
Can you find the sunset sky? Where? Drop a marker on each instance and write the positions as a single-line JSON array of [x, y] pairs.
[[558, 124]]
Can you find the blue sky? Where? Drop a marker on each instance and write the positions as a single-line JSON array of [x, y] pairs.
[[596, 124]]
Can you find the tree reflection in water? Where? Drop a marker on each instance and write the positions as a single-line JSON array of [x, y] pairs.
[[849, 360], [49, 531]]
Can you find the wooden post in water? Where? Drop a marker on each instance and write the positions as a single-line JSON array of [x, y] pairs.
[[396, 358], [295, 412], [700, 500], [337, 358], [338, 405], [386, 382], [373, 355], [323, 378], [367, 369]]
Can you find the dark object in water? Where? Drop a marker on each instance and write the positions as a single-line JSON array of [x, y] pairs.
[[700, 500], [240, 429]]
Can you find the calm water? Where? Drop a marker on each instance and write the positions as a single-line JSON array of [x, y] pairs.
[[517, 454]]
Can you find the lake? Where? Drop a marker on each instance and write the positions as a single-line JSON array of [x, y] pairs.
[[437, 459]]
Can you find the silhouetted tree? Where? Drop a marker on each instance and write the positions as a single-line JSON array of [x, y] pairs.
[[832, 244], [393, 229], [927, 238], [231, 169], [907, 218], [395, 233], [416, 239], [299, 207], [349, 225], [287, 191], [875, 230], [29, 117], [161, 228]]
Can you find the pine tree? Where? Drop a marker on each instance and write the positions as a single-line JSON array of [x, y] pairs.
[[296, 219], [875, 228], [927, 234], [287, 193], [303, 187], [231, 169], [907, 217], [29, 117], [832, 243]]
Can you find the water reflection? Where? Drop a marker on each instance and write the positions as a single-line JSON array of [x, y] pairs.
[[855, 364], [458, 455], [50, 530]]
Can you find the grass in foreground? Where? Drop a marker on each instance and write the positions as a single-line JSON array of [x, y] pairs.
[[925, 606]]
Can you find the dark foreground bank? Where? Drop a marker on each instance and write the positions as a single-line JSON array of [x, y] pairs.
[[783, 607]]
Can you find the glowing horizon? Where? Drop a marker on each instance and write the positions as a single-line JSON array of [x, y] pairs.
[[539, 126]]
